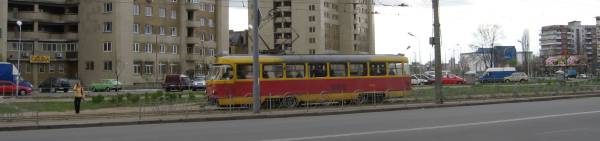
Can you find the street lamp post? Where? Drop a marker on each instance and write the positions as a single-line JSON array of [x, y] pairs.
[[19, 46], [438, 52], [418, 45], [255, 57]]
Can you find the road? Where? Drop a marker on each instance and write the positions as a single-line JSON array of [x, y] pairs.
[[575, 119]]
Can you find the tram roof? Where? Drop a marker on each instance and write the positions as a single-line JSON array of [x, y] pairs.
[[312, 58]]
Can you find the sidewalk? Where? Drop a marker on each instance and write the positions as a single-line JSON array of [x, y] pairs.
[[89, 119]]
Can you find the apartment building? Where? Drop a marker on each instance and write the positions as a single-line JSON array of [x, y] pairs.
[[135, 41], [3, 35], [315, 26], [571, 39]]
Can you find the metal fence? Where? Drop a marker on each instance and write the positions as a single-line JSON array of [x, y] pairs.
[[183, 105]]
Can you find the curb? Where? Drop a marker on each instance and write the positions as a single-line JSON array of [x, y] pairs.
[[245, 117]]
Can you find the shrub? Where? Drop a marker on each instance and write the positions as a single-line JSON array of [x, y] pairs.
[[117, 99], [191, 96], [133, 98], [171, 97], [156, 96], [97, 99]]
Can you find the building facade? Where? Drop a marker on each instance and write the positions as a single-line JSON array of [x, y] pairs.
[[315, 26], [238, 42], [573, 39], [3, 35], [135, 41]]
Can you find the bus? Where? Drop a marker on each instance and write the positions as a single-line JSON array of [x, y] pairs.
[[293, 80]]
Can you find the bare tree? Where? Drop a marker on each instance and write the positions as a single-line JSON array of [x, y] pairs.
[[487, 36]]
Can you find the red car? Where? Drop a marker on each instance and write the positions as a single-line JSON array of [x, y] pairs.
[[7, 87], [452, 79]]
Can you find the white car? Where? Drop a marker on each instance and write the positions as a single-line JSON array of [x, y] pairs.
[[414, 80], [517, 77]]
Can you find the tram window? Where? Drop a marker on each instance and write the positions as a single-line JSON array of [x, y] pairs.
[[358, 69], [318, 70], [272, 71], [377, 69], [338, 70], [395, 69], [294, 71], [244, 72]]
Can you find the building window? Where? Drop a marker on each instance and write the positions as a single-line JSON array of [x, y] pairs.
[[211, 23], [312, 40], [174, 49], [162, 68], [61, 68], [107, 47], [136, 47], [148, 29], [162, 12], [211, 8], [137, 68], [162, 48], [161, 30], [148, 48], [148, 11], [312, 7], [148, 69], [211, 52], [173, 14], [312, 29], [136, 10], [202, 36], [190, 48], [107, 26], [312, 51], [311, 18], [212, 37], [173, 31], [136, 28], [202, 21], [51, 68], [107, 65], [107, 7], [89, 65]]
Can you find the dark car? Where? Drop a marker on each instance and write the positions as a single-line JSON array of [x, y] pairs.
[[54, 84], [199, 83], [177, 82]]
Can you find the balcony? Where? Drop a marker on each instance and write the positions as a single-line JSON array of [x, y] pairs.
[[47, 17], [44, 35], [194, 57], [194, 24], [194, 40], [193, 6]]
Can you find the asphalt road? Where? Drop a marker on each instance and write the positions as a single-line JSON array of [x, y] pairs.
[[573, 120]]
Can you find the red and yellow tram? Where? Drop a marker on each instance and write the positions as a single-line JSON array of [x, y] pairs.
[[296, 79]]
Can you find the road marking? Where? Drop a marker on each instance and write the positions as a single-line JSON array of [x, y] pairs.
[[432, 127]]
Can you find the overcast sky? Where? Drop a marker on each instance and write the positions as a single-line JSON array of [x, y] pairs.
[[459, 19]]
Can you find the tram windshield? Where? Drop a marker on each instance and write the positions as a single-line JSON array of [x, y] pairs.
[[220, 72]]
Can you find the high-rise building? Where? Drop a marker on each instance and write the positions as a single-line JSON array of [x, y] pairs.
[[573, 39], [315, 26], [135, 41]]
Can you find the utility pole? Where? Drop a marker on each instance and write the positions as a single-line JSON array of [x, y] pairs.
[[437, 42], [255, 64]]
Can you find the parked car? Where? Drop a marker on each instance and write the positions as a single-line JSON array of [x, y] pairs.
[[54, 84], [177, 82], [429, 79], [106, 85], [8, 87], [199, 83], [415, 80], [517, 77], [582, 76], [451, 79]]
